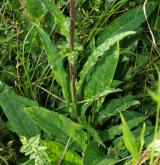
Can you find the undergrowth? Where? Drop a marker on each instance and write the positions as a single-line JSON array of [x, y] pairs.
[[79, 82]]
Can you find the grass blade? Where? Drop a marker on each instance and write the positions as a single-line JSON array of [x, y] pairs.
[[129, 139]]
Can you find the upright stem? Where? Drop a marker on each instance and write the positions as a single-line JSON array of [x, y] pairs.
[[72, 65], [72, 22]]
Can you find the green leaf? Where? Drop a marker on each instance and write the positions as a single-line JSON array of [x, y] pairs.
[[142, 140], [21, 161], [55, 124], [23, 100], [56, 63], [103, 75], [98, 96], [95, 136], [106, 161], [12, 106], [4, 88], [115, 106], [154, 96], [119, 145], [59, 17], [155, 144], [55, 151], [35, 9], [91, 154], [35, 149], [111, 133], [98, 52], [104, 93], [129, 21], [128, 138]]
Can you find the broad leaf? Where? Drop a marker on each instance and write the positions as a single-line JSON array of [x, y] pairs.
[[106, 161], [91, 154], [4, 88], [103, 75], [97, 97], [115, 106], [129, 21], [55, 151], [111, 133], [98, 52], [54, 123], [12, 106]]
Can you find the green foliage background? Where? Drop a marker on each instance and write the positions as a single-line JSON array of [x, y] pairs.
[[115, 119]]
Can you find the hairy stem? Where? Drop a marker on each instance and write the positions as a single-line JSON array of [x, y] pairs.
[[72, 65], [72, 22]]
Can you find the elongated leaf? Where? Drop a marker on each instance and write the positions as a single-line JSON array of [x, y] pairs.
[[114, 131], [116, 106], [4, 88], [95, 136], [56, 62], [98, 52], [142, 139], [128, 138], [106, 161], [35, 9], [103, 75], [98, 96], [59, 17], [119, 145], [55, 151], [23, 100], [53, 123], [19, 120], [154, 96], [91, 154], [129, 21]]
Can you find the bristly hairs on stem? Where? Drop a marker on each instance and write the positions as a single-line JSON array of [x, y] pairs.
[[72, 65], [72, 23]]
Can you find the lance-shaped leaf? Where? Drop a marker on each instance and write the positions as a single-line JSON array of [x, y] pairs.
[[103, 75], [91, 154], [115, 106], [129, 139], [98, 52], [55, 151], [129, 21], [56, 63], [12, 106], [111, 133], [35, 9], [54, 123], [59, 17]]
